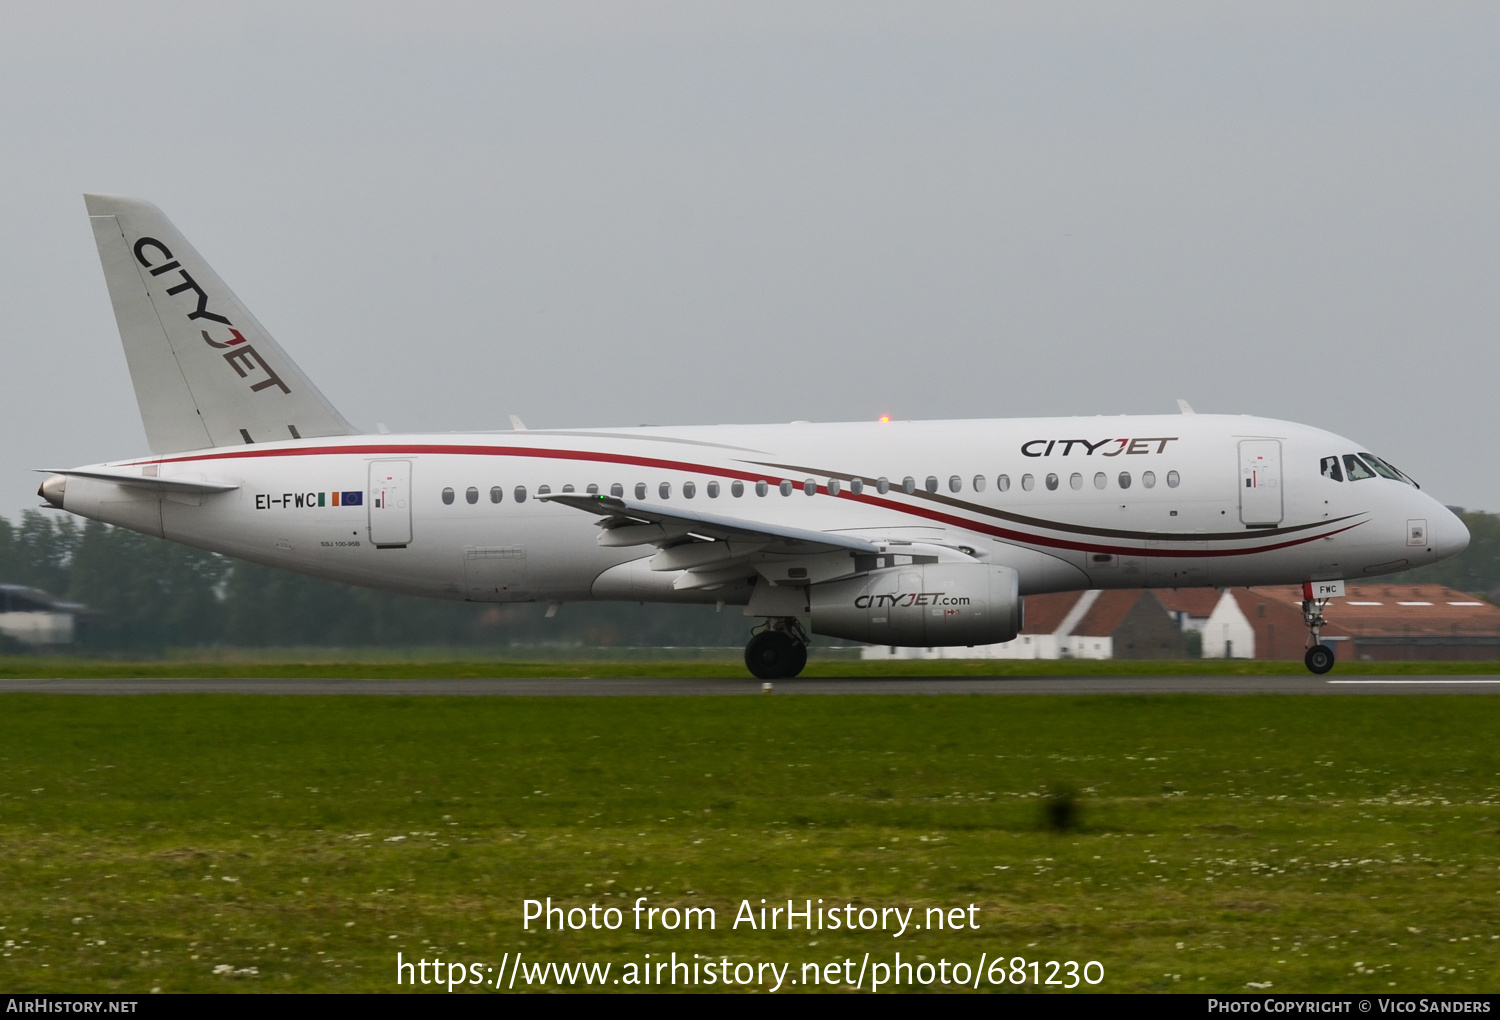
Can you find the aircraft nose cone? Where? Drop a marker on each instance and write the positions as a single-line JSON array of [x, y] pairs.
[[1449, 534]]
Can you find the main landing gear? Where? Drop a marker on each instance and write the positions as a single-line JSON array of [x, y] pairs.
[[1319, 657], [779, 651]]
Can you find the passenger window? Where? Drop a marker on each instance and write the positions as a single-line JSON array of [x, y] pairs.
[[1328, 467], [932, 483], [856, 485], [592, 490], [689, 490], [762, 487], [736, 488], [785, 486], [1028, 483], [810, 487], [471, 494], [1357, 470], [882, 485], [1173, 478], [448, 496], [567, 488], [543, 490], [1148, 479], [908, 485], [1051, 481], [496, 494], [1100, 479], [833, 486], [520, 493], [640, 490], [664, 490], [1003, 483], [617, 490], [979, 483], [1076, 480], [712, 488], [1124, 479], [955, 484]]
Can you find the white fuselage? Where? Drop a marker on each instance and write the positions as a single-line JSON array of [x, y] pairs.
[[1162, 501]]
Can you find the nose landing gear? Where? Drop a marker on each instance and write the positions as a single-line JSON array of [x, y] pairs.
[[1319, 657], [779, 651]]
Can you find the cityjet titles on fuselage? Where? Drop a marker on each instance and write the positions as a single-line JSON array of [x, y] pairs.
[[1103, 447]]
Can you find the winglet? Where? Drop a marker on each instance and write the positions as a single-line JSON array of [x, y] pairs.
[[1184, 406]]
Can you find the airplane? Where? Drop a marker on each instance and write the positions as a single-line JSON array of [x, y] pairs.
[[900, 533]]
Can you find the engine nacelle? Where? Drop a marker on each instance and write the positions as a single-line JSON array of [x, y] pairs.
[[924, 605]]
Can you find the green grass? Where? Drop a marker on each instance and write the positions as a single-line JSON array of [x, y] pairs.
[[1317, 844], [729, 667]]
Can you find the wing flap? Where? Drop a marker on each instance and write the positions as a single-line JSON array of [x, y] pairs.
[[626, 522]]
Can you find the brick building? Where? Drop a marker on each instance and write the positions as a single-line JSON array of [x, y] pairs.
[[1373, 622], [1377, 622]]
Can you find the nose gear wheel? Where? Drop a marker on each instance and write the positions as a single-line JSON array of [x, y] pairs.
[[1320, 657]]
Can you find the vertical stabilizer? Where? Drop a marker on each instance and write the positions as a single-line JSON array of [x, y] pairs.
[[205, 372]]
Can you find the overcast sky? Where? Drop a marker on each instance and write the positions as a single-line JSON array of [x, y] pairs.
[[615, 213]]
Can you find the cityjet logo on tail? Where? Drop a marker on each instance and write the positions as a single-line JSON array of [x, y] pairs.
[[1104, 447], [242, 357], [901, 600]]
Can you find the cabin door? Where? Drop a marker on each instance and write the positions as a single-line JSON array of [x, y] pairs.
[[390, 503], [1260, 482]]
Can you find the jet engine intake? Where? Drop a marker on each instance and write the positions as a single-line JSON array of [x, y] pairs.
[[924, 605]]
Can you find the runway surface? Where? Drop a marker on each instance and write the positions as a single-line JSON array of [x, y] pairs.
[[645, 687]]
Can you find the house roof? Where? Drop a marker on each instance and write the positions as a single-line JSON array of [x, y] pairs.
[[1196, 602], [1396, 610], [1368, 610], [1108, 612], [1045, 613], [18, 598]]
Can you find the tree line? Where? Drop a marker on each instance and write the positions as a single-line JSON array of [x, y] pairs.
[[145, 595]]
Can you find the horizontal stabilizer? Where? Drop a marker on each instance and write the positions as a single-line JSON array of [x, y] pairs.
[[206, 373], [138, 481]]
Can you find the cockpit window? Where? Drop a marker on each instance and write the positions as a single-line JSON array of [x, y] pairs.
[[1357, 469], [1330, 468], [1383, 468]]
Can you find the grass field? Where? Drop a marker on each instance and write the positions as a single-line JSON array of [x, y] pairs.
[[214, 842]]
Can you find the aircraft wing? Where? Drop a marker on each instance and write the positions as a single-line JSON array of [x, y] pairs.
[[710, 551], [627, 522]]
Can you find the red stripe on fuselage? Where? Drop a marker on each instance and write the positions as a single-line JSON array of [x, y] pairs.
[[994, 531]]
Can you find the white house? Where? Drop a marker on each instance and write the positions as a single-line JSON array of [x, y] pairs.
[[1227, 633], [32, 617]]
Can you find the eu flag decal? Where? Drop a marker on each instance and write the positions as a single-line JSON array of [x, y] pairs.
[[352, 498]]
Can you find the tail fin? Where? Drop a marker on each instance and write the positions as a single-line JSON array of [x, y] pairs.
[[205, 372]]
